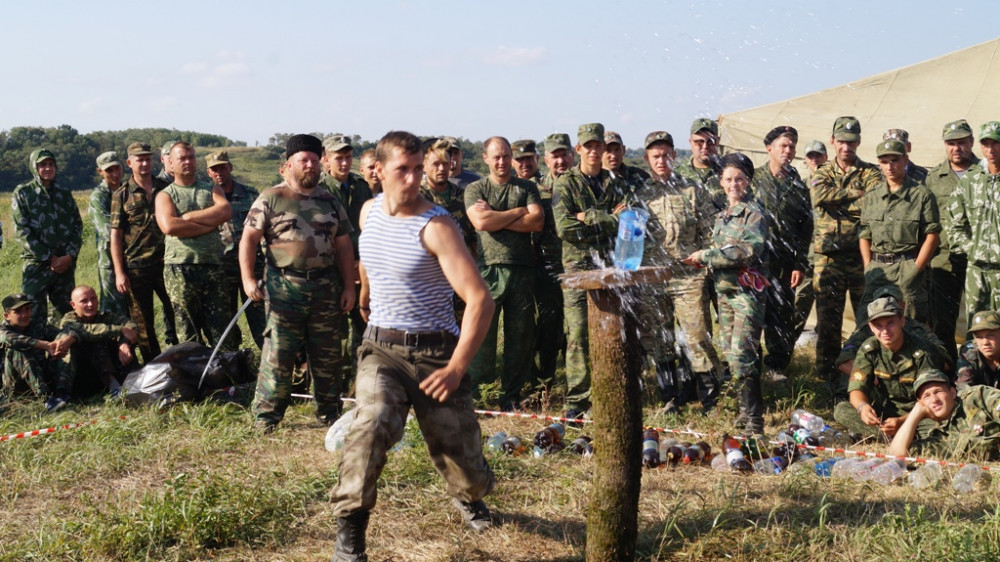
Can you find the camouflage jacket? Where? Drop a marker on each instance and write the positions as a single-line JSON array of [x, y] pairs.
[[887, 378], [240, 199], [105, 326], [99, 212], [134, 212], [836, 198], [738, 244], [504, 246], [707, 178], [453, 201], [352, 195], [786, 205], [587, 244], [681, 215], [973, 223], [632, 175], [898, 222], [924, 339], [942, 181], [915, 172], [972, 432], [973, 369], [12, 338], [546, 244], [47, 221]]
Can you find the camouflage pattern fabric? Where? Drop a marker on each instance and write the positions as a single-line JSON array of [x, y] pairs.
[[805, 298], [974, 369], [453, 200], [387, 386], [912, 331], [973, 229], [834, 276], [708, 178], [972, 432], [94, 356], [738, 244], [41, 284], [26, 369], [633, 176], [196, 291], [352, 194], [550, 335], [133, 211], [146, 282], [99, 211], [240, 199], [504, 246], [205, 249], [302, 314]]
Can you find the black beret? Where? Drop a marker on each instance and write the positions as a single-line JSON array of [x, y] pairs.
[[779, 131], [740, 162], [298, 143]]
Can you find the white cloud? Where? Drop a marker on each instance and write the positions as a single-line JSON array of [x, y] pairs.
[[90, 105], [513, 56], [227, 70]]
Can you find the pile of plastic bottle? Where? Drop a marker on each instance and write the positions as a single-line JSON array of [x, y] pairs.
[[549, 441]]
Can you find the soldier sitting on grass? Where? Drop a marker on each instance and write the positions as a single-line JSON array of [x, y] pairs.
[[979, 359], [32, 355], [105, 349]]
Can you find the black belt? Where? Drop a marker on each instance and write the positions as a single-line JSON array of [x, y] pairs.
[[892, 258], [308, 275], [409, 339]]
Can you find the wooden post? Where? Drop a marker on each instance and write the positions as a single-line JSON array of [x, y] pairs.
[[616, 365]]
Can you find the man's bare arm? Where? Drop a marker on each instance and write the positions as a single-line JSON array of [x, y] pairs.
[[531, 222], [248, 257], [172, 225], [213, 216]]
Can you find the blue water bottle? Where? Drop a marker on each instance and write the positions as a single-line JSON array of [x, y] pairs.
[[631, 235]]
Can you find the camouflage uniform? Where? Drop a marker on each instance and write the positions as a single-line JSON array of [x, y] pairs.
[[193, 276], [973, 228], [974, 369], [785, 201], [738, 246], [838, 269], [633, 176], [947, 268], [507, 264], [99, 212], [972, 432], [924, 338], [886, 378], [681, 214], [897, 224], [133, 212], [303, 288], [47, 223], [453, 201], [550, 334], [707, 178], [94, 356], [586, 245], [240, 199], [26, 369]]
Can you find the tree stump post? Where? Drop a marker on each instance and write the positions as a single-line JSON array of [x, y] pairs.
[[616, 364]]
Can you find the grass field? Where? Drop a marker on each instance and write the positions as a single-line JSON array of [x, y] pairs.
[[196, 483]]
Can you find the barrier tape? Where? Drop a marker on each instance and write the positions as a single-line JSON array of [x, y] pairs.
[[48, 430]]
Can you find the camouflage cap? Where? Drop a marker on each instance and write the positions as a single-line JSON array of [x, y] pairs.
[[658, 136], [891, 146], [929, 376], [815, 146], [611, 137], [990, 130], [336, 142], [107, 160], [705, 124], [17, 300], [890, 290], [138, 148], [883, 308], [43, 154], [167, 146], [589, 132], [985, 320], [216, 158], [453, 144], [898, 134], [847, 129], [956, 130], [524, 148], [555, 141]]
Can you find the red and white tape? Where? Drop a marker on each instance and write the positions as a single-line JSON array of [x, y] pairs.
[[48, 430]]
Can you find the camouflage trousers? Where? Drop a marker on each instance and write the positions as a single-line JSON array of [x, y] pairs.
[[42, 285], [512, 289], [235, 297], [197, 293], [692, 333], [577, 349], [904, 275], [387, 386], [32, 371], [550, 335], [656, 322], [982, 289], [111, 300], [946, 289], [847, 415], [741, 321], [147, 282], [301, 315], [95, 364], [779, 315], [834, 276]]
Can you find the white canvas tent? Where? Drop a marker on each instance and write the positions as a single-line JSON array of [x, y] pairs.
[[920, 98]]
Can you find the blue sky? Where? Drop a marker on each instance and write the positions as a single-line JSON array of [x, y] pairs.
[[250, 69]]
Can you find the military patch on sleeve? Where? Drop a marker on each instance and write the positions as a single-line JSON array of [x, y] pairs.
[[868, 347], [857, 376]]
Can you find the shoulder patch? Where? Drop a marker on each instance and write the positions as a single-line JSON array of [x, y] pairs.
[[868, 347], [857, 376]]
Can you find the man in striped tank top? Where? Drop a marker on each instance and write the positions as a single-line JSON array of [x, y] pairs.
[[413, 355]]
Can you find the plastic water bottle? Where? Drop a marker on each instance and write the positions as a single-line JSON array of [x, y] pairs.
[[805, 465], [966, 478], [720, 463], [650, 448], [665, 446], [832, 437], [581, 446], [862, 471], [771, 466], [551, 434], [786, 436], [631, 237], [734, 455], [843, 468], [805, 437], [696, 453], [808, 420], [493, 443], [512, 446], [337, 433], [925, 476], [888, 472]]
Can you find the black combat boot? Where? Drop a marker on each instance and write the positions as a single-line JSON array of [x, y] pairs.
[[351, 532]]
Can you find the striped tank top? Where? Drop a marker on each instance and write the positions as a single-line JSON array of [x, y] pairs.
[[407, 286]]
